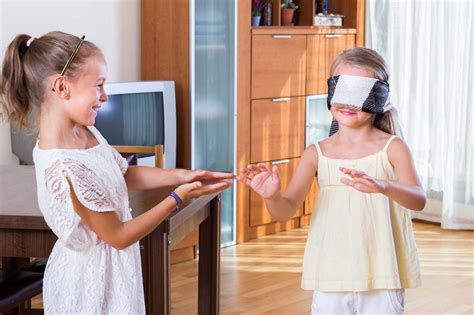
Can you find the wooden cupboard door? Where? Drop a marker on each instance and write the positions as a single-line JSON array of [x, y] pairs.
[[278, 65], [258, 211], [322, 51], [277, 129], [311, 198]]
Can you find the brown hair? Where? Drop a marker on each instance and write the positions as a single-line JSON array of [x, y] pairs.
[[370, 60], [25, 70]]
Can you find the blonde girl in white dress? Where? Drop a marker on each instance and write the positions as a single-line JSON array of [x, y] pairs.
[[82, 181], [360, 253]]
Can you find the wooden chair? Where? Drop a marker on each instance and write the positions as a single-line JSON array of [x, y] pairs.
[[131, 153], [19, 286]]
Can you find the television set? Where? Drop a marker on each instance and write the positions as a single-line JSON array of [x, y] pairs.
[[136, 113]]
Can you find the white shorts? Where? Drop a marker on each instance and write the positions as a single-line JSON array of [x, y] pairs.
[[367, 302]]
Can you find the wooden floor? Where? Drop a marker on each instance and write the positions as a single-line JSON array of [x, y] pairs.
[[263, 276]]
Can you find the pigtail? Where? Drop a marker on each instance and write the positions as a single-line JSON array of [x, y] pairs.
[[388, 122], [14, 97]]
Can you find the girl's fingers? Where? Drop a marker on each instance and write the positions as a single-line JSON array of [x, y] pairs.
[[216, 175], [243, 180], [257, 168], [352, 172], [275, 173], [347, 182], [363, 181], [207, 189], [262, 167], [369, 178]]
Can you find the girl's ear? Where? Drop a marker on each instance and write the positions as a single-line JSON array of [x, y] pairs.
[[60, 87]]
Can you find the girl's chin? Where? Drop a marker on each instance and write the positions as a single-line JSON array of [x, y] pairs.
[[351, 123], [350, 120]]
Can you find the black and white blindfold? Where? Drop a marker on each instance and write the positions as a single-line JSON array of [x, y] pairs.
[[358, 93]]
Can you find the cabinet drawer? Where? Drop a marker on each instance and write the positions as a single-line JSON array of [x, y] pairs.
[[277, 129], [322, 51], [278, 65], [258, 212]]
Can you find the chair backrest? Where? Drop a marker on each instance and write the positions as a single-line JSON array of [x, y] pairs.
[[132, 149]]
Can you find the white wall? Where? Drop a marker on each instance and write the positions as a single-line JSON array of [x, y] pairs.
[[113, 25]]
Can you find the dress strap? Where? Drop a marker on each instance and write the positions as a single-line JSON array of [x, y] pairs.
[[318, 148], [388, 142]]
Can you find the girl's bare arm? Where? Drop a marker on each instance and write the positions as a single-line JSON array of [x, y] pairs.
[[407, 190], [120, 234], [143, 177]]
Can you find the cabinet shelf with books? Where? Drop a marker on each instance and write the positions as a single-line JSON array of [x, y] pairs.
[[351, 10]]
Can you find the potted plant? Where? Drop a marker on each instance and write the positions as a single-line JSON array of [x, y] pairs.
[[288, 8], [257, 6]]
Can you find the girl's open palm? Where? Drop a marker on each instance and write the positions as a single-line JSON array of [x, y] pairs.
[[203, 175], [264, 182], [363, 182], [198, 188]]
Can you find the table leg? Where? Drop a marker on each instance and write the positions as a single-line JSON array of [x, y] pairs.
[[209, 260], [156, 271]]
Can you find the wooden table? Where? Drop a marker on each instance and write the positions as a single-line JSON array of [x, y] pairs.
[[24, 233]]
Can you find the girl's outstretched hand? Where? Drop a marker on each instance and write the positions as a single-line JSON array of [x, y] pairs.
[[199, 188], [264, 182], [363, 182], [202, 175]]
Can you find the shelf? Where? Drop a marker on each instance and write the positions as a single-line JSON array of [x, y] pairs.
[[303, 30], [352, 10]]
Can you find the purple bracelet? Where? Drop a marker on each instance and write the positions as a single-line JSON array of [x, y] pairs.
[[179, 201]]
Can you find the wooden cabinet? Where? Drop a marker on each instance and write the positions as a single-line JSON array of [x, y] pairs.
[[278, 65], [322, 50], [258, 212], [277, 128]]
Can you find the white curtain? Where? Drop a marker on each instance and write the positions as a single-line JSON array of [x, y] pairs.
[[429, 47]]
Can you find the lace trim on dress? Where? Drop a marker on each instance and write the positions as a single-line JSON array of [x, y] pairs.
[[58, 198], [87, 185], [121, 161]]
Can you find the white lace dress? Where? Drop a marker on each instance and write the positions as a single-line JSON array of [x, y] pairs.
[[84, 274]]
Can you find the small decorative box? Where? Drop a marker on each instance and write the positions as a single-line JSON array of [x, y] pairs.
[[328, 20]]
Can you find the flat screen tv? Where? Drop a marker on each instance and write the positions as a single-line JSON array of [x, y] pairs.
[[136, 113]]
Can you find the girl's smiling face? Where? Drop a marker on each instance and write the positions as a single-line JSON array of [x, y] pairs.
[[87, 92], [344, 115]]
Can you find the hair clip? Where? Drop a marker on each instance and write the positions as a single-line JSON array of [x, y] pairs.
[[31, 40]]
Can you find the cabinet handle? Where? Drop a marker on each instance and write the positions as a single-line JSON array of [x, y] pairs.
[[281, 36], [280, 162], [333, 36], [282, 99]]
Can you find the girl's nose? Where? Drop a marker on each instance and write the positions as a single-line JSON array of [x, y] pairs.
[[103, 97]]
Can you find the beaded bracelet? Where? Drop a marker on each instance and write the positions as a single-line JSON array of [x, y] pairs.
[[179, 201]]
